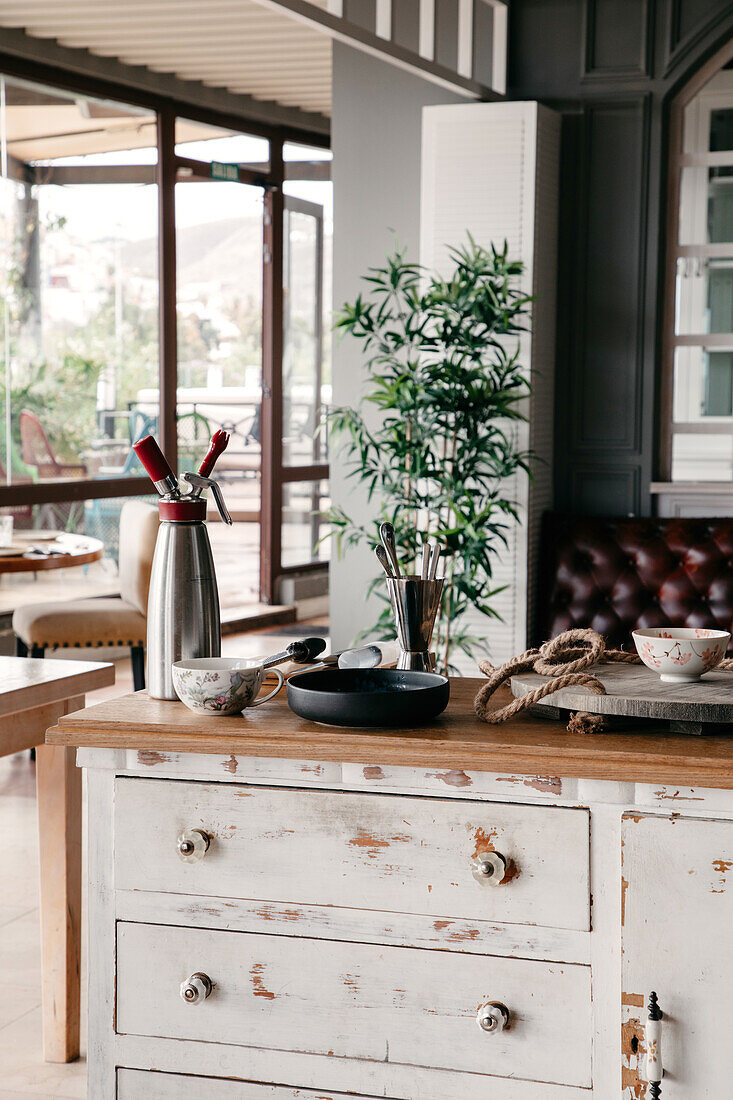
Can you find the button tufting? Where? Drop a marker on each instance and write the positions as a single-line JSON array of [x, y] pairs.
[[633, 571]]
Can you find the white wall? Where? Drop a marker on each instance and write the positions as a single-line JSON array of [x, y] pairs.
[[376, 141]]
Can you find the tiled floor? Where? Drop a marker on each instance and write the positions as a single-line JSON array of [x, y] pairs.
[[22, 1069], [23, 1073]]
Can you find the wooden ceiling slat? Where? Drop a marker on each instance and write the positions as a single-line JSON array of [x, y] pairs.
[[221, 43]]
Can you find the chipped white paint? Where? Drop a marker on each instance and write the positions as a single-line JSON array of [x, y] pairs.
[[688, 800], [326, 917], [358, 1077], [101, 964], [364, 851], [354, 925], [358, 1001], [136, 1085], [677, 915], [456, 781]]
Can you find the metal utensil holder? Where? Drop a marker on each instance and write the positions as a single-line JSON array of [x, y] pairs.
[[415, 604]]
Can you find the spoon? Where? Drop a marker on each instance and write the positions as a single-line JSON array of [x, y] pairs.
[[386, 533], [383, 560], [366, 656], [302, 652], [425, 560], [434, 559]]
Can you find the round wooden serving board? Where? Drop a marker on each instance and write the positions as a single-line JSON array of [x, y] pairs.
[[634, 691]]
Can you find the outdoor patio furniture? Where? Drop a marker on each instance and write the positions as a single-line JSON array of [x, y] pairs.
[[21, 513], [38, 452], [67, 551], [39, 456], [117, 621]]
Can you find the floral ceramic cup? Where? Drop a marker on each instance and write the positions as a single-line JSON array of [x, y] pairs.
[[680, 654], [222, 685]]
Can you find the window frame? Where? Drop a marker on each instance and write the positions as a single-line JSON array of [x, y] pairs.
[[271, 179], [674, 253]]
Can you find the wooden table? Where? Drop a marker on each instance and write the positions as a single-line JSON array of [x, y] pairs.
[[34, 694], [457, 740], [82, 550]]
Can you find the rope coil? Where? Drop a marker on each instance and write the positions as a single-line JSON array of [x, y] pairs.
[[564, 660]]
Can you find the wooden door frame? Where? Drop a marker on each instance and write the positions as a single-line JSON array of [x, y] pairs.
[[274, 474]]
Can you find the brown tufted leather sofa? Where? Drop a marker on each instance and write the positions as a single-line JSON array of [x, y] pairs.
[[618, 574]]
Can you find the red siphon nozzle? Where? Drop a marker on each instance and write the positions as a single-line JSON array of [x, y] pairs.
[[219, 441]]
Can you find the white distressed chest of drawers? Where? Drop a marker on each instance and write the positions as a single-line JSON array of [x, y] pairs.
[[387, 915]]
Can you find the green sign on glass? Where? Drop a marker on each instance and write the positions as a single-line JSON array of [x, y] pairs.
[[221, 171]]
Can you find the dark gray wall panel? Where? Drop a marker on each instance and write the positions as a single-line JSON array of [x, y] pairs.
[[361, 12], [446, 33], [614, 47], [687, 17], [610, 67], [688, 25], [406, 24], [545, 48], [607, 366], [606, 491], [483, 36]]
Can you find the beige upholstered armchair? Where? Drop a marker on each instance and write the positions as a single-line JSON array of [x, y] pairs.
[[118, 621]]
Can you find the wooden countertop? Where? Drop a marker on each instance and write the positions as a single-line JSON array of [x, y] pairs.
[[524, 745]]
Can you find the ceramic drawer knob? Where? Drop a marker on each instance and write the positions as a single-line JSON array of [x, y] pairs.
[[653, 1042], [196, 989], [493, 1017], [491, 866], [193, 844]]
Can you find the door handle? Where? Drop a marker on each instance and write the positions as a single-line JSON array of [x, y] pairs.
[[653, 1041]]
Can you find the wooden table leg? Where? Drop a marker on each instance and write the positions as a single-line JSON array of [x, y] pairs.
[[58, 786]]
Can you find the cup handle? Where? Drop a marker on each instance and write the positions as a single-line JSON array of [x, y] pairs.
[[273, 693]]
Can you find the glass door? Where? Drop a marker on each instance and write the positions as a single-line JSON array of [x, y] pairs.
[[305, 391], [219, 226]]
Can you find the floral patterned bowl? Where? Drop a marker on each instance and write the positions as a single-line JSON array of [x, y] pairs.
[[221, 685], [680, 654]]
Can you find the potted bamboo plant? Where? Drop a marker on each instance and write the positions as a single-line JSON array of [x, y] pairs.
[[443, 371]]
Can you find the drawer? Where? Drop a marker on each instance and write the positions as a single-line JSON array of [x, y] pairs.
[[366, 851], [399, 1005], [137, 1084]]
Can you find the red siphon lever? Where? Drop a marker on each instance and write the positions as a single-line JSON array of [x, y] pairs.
[[201, 480], [156, 466], [218, 445]]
